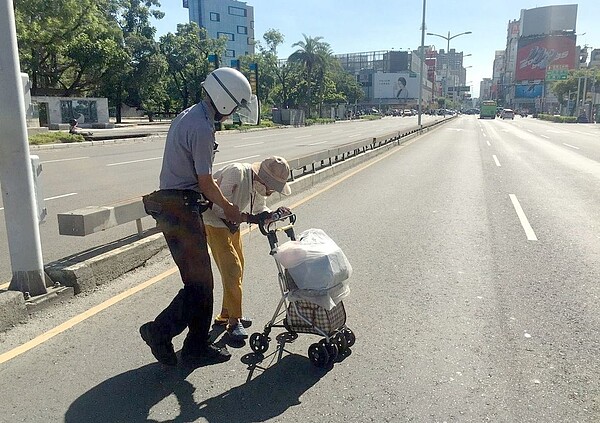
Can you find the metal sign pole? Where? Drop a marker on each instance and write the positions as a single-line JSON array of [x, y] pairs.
[[16, 177]]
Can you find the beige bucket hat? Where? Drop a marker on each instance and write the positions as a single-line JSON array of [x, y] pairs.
[[274, 172]]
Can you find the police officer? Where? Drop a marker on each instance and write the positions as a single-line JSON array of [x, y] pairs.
[[186, 185]]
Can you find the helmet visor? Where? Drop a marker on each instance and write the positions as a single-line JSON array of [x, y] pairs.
[[248, 111]]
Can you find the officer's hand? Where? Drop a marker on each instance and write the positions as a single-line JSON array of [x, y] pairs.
[[232, 213]]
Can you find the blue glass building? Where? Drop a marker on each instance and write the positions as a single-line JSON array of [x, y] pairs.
[[225, 18]]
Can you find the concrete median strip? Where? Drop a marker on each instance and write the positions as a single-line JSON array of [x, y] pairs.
[[85, 271]]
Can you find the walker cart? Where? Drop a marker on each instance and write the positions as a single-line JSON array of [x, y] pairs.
[[319, 312]]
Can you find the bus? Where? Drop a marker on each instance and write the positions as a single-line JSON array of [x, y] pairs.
[[487, 109]]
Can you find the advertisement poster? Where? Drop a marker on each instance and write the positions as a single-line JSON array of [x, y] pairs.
[[536, 54], [528, 90], [401, 86]]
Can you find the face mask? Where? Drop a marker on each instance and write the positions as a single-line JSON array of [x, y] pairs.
[[259, 188]]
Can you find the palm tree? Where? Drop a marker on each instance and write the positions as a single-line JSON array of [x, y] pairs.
[[311, 55]]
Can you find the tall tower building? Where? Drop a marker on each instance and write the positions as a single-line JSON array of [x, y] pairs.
[[225, 18]]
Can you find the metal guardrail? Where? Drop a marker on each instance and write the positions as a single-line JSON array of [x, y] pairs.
[[89, 220]]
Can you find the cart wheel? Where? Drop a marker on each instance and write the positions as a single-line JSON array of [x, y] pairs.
[[259, 342], [332, 349], [342, 343], [318, 355], [350, 337]]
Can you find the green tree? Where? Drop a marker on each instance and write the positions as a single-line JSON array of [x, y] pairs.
[[141, 84], [186, 54], [571, 88], [310, 55], [67, 46]]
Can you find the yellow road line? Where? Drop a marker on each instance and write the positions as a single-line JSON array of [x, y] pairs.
[[38, 340], [81, 317]]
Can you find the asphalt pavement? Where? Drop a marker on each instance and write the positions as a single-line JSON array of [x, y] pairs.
[[460, 314]]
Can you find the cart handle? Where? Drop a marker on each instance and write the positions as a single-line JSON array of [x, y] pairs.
[[265, 224]]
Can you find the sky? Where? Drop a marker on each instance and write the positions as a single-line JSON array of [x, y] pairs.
[[354, 26]]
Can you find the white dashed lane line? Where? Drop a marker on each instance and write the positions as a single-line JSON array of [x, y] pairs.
[[523, 218], [572, 146]]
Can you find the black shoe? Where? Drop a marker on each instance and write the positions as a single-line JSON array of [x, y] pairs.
[[161, 350], [210, 354]]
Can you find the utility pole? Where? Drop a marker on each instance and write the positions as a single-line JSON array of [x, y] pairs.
[[421, 80], [16, 176]]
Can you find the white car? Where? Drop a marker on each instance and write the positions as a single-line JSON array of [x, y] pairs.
[[507, 114]]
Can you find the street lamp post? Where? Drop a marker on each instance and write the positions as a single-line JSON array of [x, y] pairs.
[[448, 38]]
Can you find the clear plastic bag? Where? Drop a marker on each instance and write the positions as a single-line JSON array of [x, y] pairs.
[[314, 261]]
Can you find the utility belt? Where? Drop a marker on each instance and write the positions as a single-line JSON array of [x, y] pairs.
[[166, 201]]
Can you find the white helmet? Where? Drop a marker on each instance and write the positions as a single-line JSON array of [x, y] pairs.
[[228, 89]]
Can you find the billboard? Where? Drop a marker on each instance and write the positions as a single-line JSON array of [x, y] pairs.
[[548, 19], [535, 54], [400, 86], [528, 90]]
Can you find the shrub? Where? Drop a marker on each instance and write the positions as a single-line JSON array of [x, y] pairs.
[[319, 121], [54, 137], [557, 118], [370, 117]]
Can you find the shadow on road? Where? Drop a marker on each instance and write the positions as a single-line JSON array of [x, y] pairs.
[[130, 396]]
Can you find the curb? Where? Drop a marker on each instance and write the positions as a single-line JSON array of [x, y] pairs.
[[84, 272]]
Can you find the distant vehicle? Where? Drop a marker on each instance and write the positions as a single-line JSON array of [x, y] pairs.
[[407, 112], [487, 109], [507, 114]]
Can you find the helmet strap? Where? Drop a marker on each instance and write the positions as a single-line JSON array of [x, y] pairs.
[[218, 116]]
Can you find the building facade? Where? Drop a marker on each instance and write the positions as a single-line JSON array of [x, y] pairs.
[[540, 49], [231, 19], [389, 78]]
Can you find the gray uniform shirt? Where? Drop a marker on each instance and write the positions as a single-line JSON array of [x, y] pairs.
[[189, 148]]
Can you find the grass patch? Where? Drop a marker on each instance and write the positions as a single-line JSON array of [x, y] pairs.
[[54, 138]]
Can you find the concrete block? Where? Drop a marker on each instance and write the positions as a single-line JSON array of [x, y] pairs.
[[84, 272], [12, 309]]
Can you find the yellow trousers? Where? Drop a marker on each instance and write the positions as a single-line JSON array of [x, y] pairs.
[[227, 251]]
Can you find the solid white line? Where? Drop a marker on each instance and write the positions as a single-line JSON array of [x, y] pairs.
[[303, 136], [64, 160], [524, 222], [317, 143], [247, 145], [51, 198], [545, 136], [355, 135], [260, 137], [236, 160], [572, 146], [496, 160], [60, 196], [134, 161]]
